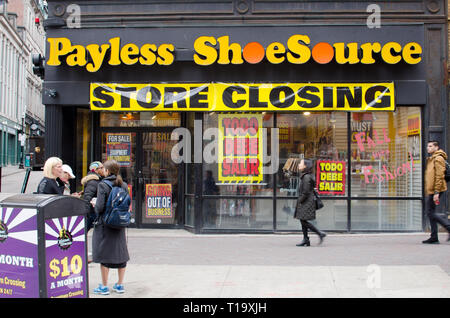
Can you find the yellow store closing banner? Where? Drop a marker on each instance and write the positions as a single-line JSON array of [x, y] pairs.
[[243, 97], [240, 148]]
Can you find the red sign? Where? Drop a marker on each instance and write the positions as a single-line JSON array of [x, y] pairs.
[[159, 200]]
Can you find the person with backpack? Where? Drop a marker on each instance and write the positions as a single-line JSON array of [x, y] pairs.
[[109, 245], [435, 186]]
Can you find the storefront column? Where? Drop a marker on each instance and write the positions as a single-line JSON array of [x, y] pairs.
[[198, 168], [436, 113], [53, 131]]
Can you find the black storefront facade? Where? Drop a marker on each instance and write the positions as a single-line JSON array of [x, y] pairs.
[[170, 91]]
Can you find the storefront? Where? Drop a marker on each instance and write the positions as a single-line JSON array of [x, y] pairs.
[[205, 117]]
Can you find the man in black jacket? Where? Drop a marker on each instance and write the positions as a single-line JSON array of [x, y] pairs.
[[90, 183]]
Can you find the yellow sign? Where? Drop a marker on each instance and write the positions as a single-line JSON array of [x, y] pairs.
[[240, 148], [243, 97], [129, 54], [297, 51], [209, 50]]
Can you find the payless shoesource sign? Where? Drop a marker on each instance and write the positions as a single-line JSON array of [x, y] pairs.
[[243, 97], [209, 50]]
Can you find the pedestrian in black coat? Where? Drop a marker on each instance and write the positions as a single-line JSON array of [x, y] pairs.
[[90, 183], [306, 206], [51, 183], [109, 246]]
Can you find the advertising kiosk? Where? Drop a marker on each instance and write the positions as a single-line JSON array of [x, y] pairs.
[[43, 247]]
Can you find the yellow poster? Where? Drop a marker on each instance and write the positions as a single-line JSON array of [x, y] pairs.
[[240, 148], [243, 97]]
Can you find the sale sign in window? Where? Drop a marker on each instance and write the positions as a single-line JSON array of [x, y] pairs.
[[330, 177], [118, 147], [159, 200], [240, 148]]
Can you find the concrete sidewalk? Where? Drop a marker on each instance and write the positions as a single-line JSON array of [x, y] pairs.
[[177, 263], [10, 170]]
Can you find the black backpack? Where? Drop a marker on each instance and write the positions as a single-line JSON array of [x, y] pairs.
[[447, 172]]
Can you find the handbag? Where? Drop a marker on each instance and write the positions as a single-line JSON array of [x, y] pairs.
[[318, 202]]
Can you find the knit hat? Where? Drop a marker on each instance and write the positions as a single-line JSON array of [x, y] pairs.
[[94, 165]]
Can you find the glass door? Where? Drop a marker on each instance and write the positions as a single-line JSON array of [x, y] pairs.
[[158, 179], [121, 146]]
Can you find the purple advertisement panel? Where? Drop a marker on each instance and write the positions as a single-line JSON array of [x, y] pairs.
[[19, 267], [65, 253]]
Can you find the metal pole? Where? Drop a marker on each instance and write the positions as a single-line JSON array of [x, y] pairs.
[[25, 180]]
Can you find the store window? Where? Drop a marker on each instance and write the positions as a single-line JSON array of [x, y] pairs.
[[386, 153], [238, 213], [387, 215], [140, 119], [238, 169], [332, 217], [122, 148], [321, 137]]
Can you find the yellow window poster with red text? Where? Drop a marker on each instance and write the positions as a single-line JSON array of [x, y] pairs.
[[240, 148]]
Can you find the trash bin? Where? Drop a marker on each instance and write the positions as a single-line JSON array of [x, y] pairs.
[[43, 246], [28, 160]]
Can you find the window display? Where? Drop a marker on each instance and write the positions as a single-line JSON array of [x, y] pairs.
[[385, 154], [321, 137], [385, 161], [237, 167]]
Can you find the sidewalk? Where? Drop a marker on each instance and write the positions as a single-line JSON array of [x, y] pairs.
[[10, 170], [177, 263]]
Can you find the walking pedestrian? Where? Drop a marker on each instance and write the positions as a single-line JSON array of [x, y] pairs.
[[90, 183], [306, 209], [435, 186], [109, 246], [51, 183]]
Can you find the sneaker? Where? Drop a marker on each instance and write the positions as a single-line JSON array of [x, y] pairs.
[[118, 288], [431, 241], [101, 290]]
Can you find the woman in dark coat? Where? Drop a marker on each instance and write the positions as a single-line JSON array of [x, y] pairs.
[[306, 207], [51, 182], [90, 183], [109, 246]]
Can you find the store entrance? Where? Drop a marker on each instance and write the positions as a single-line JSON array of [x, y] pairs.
[[151, 175]]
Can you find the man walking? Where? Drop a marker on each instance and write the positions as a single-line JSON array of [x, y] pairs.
[[435, 185]]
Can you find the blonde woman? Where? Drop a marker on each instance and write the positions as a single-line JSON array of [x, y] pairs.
[[51, 183]]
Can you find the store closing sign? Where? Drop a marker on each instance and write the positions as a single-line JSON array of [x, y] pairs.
[[240, 148], [243, 97]]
